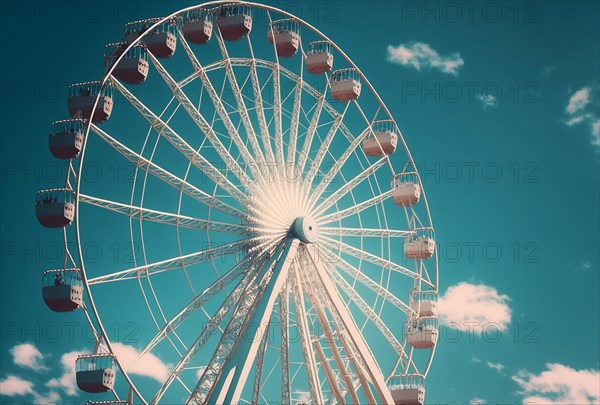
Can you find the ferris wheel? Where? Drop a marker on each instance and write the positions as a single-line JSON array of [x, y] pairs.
[[280, 242]]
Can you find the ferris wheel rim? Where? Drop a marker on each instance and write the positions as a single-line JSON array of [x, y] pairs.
[[107, 76]]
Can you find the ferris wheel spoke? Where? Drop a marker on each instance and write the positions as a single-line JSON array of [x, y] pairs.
[[335, 169], [284, 316], [333, 244], [325, 325], [167, 177], [277, 101], [202, 124], [367, 312], [355, 336], [259, 106], [355, 273], [239, 99], [219, 107], [295, 119], [180, 144], [277, 115], [425, 273], [211, 327], [318, 108], [364, 232], [373, 286], [295, 122], [305, 339], [347, 187], [356, 209], [172, 264], [310, 133], [165, 217], [199, 300], [324, 148], [225, 375]]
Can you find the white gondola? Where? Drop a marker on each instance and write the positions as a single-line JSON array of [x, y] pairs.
[[161, 41], [62, 289], [424, 303], [319, 57], [66, 138], [234, 21], [81, 99], [407, 389], [420, 244], [345, 84], [407, 190], [55, 208], [96, 372], [422, 332], [382, 140], [287, 36], [197, 26], [133, 67]]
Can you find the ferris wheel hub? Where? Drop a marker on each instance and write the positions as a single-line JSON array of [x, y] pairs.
[[305, 229]]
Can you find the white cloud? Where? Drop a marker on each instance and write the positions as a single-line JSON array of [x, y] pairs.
[[421, 56], [475, 359], [477, 401], [560, 384], [50, 398], [596, 132], [28, 356], [148, 366], [13, 385], [495, 366], [577, 119], [67, 381], [578, 101], [477, 306], [302, 396], [488, 100], [576, 112]]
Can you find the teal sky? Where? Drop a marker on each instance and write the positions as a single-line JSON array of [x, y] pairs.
[[497, 104]]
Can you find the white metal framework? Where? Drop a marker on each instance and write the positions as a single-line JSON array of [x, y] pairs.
[[266, 243]]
